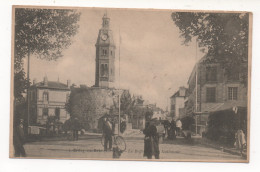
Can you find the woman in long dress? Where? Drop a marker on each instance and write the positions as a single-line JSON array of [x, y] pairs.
[[151, 141]]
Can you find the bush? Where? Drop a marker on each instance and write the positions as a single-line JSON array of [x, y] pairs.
[[222, 125]]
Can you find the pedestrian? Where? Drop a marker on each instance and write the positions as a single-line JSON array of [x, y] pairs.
[[178, 127], [172, 130], [151, 140], [108, 131], [76, 128], [19, 140], [166, 125], [240, 140]]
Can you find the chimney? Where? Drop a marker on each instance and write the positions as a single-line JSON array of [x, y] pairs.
[[68, 83], [45, 81], [34, 81]]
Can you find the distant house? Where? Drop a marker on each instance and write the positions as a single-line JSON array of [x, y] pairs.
[[177, 103], [48, 98], [216, 89]]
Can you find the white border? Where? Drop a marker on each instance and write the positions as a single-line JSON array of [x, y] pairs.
[[7, 164]]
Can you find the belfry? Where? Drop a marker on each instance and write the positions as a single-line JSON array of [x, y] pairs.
[[105, 56]]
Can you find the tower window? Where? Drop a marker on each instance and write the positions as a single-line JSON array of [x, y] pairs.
[[104, 70], [57, 113], [45, 97], [104, 52], [45, 111], [111, 53]]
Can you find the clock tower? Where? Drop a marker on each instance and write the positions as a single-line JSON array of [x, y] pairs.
[[105, 56]]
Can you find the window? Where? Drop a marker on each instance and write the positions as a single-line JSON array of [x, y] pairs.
[[211, 73], [45, 112], [45, 96], [111, 53], [232, 93], [104, 52], [104, 70], [233, 76], [211, 94]]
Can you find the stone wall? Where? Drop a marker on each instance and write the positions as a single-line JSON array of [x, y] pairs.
[[90, 104]]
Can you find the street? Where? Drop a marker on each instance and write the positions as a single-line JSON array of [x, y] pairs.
[[90, 148]]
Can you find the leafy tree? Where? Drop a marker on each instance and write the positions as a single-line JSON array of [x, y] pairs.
[[20, 86], [42, 32], [83, 104], [225, 35]]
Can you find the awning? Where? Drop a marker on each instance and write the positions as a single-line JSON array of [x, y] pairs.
[[214, 107]]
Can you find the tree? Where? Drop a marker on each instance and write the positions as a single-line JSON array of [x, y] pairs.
[[225, 35], [21, 84], [42, 32], [126, 102]]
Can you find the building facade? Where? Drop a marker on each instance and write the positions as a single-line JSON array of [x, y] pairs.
[[105, 56], [48, 99], [177, 103], [211, 88]]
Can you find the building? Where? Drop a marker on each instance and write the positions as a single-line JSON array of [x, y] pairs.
[[46, 99], [105, 56], [211, 88], [177, 103]]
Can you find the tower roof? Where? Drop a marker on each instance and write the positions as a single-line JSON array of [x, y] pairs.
[[105, 15]]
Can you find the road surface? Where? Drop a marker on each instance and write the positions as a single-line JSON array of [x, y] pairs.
[[91, 148]]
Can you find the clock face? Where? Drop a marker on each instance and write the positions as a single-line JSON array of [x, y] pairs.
[[104, 37]]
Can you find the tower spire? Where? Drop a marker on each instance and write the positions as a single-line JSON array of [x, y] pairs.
[[106, 20]]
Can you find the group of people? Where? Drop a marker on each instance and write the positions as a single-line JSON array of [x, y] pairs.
[[172, 129], [151, 139]]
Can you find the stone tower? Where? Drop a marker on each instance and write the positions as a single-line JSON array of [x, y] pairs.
[[105, 56]]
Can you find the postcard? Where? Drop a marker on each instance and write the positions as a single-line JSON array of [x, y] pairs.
[[130, 84]]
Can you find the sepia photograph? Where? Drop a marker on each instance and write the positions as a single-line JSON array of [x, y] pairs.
[[130, 84]]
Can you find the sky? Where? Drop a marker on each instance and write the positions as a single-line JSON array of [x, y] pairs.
[[153, 61]]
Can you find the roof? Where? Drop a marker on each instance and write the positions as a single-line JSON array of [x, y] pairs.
[[177, 93], [51, 85]]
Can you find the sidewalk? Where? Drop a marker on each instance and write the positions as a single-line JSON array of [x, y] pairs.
[[212, 144]]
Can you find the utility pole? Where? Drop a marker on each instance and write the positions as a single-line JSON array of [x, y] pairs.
[[119, 116], [28, 79], [196, 91]]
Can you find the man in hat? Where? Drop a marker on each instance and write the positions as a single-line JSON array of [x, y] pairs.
[[108, 131]]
